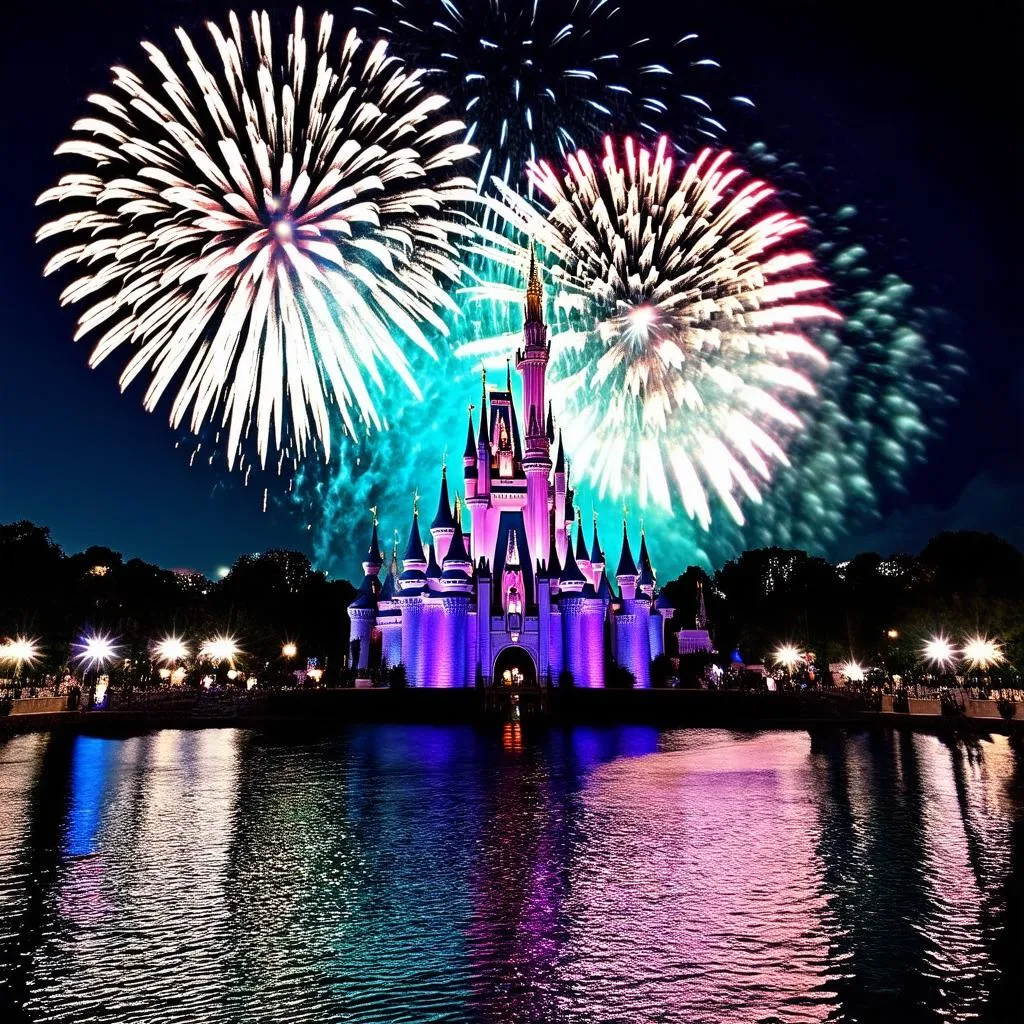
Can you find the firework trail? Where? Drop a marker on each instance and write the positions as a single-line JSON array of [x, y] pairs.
[[678, 339], [537, 78], [263, 232]]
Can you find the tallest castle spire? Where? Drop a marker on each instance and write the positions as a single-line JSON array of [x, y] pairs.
[[534, 293]]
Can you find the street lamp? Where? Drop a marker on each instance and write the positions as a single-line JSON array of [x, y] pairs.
[[289, 651], [20, 651], [95, 651], [788, 656], [939, 651], [170, 650], [981, 653], [220, 648]]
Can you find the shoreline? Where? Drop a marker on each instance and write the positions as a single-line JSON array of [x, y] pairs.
[[327, 710]]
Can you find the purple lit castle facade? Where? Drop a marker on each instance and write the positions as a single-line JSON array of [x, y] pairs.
[[511, 594]]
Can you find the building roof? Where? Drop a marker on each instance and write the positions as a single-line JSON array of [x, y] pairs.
[[571, 571], [626, 567], [646, 569], [596, 554], [443, 520], [470, 452], [374, 556], [433, 569], [581, 544], [414, 549], [457, 548], [554, 564], [560, 455], [366, 595]]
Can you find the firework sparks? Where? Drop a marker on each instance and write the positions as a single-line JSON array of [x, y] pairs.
[[679, 333], [264, 232], [541, 77]]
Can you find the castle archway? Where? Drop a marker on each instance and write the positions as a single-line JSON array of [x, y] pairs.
[[514, 668]]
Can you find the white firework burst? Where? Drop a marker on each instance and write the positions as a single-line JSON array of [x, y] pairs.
[[677, 319], [264, 232]]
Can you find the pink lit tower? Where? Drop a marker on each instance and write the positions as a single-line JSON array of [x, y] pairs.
[[532, 363], [511, 601]]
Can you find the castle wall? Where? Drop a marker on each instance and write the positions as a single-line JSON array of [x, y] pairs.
[[412, 612], [391, 640]]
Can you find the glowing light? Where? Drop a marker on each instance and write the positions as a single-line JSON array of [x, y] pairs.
[[681, 332], [170, 649], [96, 650], [289, 651], [892, 634], [853, 672], [264, 230], [939, 651], [20, 650], [788, 656], [220, 648], [981, 653]]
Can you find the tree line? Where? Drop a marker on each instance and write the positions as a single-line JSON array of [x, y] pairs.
[[877, 611]]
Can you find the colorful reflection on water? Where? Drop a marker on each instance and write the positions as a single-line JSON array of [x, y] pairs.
[[393, 873]]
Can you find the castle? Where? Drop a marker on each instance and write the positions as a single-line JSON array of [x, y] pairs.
[[514, 598]]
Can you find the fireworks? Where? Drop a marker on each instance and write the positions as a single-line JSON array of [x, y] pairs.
[[679, 332], [264, 232], [535, 78]]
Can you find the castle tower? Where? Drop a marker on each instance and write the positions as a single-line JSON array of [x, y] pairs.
[[362, 612], [447, 611], [479, 497], [389, 614], [597, 562], [531, 362], [582, 557], [443, 526], [559, 486], [646, 578], [469, 470], [412, 583]]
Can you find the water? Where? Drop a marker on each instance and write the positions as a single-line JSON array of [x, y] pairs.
[[418, 874]]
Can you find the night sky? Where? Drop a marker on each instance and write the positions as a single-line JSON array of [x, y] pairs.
[[919, 112]]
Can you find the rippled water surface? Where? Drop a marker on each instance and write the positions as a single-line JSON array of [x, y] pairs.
[[421, 874]]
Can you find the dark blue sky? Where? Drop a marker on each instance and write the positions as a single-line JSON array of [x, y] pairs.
[[921, 114]]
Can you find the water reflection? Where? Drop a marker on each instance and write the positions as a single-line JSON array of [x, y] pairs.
[[452, 874]]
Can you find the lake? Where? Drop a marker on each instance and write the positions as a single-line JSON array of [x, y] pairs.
[[414, 873]]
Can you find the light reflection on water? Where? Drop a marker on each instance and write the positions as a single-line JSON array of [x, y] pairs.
[[416, 874]]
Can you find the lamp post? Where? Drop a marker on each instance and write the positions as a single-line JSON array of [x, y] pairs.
[[95, 651], [171, 650]]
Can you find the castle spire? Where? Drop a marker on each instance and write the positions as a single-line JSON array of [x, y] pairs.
[[596, 554], [550, 426], [414, 549], [508, 375], [627, 567], [702, 615], [482, 436], [534, 292], [443, 519], [512, 552], [374, 557], [470, 452], [560, 455]]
